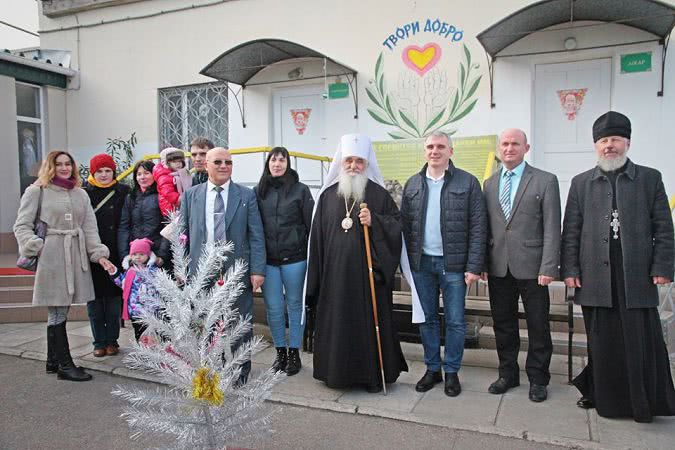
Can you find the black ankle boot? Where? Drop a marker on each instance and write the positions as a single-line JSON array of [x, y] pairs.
[[281, 361], [294, 363], [67, 369], [52, 364]]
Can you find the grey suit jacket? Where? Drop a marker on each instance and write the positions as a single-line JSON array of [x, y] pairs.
[[243, 226], [528, 244]]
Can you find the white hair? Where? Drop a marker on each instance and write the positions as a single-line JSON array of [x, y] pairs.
[[352, 186]]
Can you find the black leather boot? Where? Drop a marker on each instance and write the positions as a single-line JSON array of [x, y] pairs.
[[294, 363], [67, 369], [52, 364], [281, 361]]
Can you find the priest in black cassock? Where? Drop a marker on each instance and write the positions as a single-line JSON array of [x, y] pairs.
[[338, 289], [617, 247]]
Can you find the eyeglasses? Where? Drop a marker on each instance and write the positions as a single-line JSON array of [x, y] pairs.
[[220, 162]]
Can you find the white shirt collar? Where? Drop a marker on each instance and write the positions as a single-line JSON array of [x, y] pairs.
[[210, 186], [439, 178]]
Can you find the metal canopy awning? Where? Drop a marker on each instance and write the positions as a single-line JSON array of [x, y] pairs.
[[243, 62], [652, 16]]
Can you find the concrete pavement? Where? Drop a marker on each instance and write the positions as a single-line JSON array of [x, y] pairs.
[[557, 421]]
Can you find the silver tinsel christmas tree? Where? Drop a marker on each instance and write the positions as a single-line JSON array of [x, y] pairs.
[[188, 345]]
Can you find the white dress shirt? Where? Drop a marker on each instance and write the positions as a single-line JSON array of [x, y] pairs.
[[210, 206]]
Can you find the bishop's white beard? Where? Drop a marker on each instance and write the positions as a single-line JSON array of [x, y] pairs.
[[353, 186], [612, 164]]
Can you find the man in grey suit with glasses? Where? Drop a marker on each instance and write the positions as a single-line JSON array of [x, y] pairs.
[[523, 254], [223, 210]]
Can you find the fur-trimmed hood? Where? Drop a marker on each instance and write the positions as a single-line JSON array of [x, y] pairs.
[[151, 262]]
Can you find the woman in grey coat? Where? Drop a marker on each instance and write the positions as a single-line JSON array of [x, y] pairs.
[[63, 273]]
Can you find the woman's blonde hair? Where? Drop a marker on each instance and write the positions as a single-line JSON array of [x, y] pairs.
[[48, 169]]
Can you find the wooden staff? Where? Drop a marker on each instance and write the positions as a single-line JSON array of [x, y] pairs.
[[366, 237]]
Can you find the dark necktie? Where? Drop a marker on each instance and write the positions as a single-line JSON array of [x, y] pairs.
[[219, 216]]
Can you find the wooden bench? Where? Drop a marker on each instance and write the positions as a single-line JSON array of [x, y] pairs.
[[479, 306]]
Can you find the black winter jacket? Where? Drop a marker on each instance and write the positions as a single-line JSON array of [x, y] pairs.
[[463, 220], [142, 218], [108, 219], [287, 217]]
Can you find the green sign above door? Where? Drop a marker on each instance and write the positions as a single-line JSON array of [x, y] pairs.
[[636, 62], [338, 90]]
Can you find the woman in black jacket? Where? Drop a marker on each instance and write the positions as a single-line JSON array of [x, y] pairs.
[[141, 217], [107, 197], [286, 208]]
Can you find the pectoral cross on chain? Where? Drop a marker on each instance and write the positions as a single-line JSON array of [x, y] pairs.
[[615, 224]]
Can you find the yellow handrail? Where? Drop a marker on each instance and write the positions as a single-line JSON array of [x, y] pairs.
[[488, 167], [235, 151]]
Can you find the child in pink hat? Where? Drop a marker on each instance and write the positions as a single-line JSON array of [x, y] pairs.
[[137, 292]]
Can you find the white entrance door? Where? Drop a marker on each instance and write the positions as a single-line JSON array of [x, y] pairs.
[[564, 114], [299, 125]]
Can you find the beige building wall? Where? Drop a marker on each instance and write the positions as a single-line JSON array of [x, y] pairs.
[[56, 113], [9, 169], [122, 64]]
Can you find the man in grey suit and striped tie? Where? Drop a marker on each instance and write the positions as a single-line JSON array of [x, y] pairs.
[[221, 210], [523, 255]]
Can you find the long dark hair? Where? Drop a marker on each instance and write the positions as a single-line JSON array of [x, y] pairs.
[[267, 180], [148, 165]]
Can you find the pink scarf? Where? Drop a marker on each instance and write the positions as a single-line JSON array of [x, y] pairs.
[[126, 292]]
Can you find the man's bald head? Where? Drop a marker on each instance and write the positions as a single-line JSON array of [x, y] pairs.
[[512, 131], [219, 165]]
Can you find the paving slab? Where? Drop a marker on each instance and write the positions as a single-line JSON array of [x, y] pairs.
[[9, 327], [415, 371], [400, 398], [13, 351], [304, 385], [21, 337], [555, 417], [312, 403], [469, 409], [626, 433]]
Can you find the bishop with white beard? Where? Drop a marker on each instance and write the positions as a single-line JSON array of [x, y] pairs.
[[338, 290]]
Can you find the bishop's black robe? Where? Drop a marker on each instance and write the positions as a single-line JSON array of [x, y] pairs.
[[345, 346], [628, 371]]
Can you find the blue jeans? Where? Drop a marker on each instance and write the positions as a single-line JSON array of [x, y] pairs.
[[288, 278], [104, 317], [430, 278]]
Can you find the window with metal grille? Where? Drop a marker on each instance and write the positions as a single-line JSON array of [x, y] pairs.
[[186, 112]]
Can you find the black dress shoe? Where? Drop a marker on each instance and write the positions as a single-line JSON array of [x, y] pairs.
[[373, 388], [452, 386], [428, 381], [538, 392], [502, 385], [586, 403]]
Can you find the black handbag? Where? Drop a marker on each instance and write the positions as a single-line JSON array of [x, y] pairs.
[[30, 262]]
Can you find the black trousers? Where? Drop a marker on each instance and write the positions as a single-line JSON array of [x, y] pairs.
[[504, 293]]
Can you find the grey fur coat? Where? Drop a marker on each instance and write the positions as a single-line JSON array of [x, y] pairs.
[[63, 274]]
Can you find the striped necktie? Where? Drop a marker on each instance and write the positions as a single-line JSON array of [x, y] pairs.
[[219, 216], [505, 195]]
